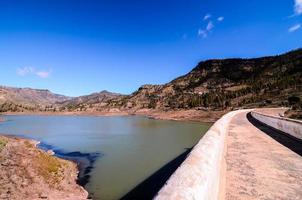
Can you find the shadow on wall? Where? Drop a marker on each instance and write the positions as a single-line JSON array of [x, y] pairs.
[[283, 138]]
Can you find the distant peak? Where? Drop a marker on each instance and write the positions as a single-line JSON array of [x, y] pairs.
[[105, 91]]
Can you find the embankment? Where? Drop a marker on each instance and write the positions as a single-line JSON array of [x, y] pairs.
[[27, 172], [289, 126], [202, 174]]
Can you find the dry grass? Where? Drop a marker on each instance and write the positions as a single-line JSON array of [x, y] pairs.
[[49, 168], [3, 143], [28, 144], [27, 172]]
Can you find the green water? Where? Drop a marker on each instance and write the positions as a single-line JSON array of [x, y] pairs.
[[132, 148]]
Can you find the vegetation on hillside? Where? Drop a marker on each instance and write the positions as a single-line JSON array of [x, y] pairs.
[[3, 143], [211, 85], [229, 83]]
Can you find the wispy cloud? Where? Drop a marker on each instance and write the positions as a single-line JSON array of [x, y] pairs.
[[206, 17], [220, 19], [298, 7], [43, 74], [210, 26], [204, 32], [294, 28], [24, 71]]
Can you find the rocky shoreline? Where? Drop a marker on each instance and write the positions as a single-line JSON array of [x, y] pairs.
[[195, 115], [85, 161], [29, 173]]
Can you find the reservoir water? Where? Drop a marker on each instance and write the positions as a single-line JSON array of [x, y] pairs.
[[131, 148]]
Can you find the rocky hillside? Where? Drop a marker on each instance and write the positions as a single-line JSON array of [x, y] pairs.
[[220, 84], [24, 99], [92, 102], [29, 173], [228, 83]]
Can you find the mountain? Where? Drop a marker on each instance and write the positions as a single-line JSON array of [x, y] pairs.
[[225, 83], [216, 85], [24, 99], [92, 102]]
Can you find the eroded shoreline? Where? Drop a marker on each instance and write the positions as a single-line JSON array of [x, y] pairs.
[[193, 115], [27, 172], [85, 161]]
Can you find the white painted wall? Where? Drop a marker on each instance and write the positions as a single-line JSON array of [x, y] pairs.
[[289, 126], [201, 175]]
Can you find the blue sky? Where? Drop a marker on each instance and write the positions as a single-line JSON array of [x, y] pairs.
[[79, 47]]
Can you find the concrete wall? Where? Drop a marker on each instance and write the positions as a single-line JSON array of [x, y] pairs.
[[202, 174], [289, 126]]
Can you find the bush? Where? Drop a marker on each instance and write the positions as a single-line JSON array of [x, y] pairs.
[[293, 100], [2, 144]]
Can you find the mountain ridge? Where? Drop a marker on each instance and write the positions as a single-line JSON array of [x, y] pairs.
[[17, 99], [215, 84]]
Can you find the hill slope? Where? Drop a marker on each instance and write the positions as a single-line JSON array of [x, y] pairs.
[[92, 102], [18, 99], [219, 84]]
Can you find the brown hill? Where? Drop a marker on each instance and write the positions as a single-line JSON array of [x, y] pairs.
[[92, 102], [221, 84], [18, 99]]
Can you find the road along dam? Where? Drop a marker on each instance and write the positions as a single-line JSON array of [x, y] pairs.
[[247, 154]]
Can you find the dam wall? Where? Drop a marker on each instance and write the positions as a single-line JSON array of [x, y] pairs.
[[202, 174], [289, 126]]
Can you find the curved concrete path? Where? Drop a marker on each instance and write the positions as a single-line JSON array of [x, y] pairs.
[[259, 167]]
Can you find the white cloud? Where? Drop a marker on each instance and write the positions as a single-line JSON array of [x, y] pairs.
[[24, 71], [202, 33], [43, 74], [210, 26], [220, 19], [298, 7], [206, 17], [294, 28]]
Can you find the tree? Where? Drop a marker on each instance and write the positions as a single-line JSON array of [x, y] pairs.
[[292, 100]]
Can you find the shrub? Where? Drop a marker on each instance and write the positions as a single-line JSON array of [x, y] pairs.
[[3, 143], [293, 100]]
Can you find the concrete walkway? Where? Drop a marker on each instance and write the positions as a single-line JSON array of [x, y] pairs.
[[258, 167]]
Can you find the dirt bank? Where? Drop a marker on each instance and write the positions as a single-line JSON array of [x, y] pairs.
[[29, 173], [179, 115], [183, 115]]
